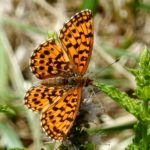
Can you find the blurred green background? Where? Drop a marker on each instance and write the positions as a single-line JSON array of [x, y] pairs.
[[121, 30]]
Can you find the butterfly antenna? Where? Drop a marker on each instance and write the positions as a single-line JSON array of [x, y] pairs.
[[109, 65]]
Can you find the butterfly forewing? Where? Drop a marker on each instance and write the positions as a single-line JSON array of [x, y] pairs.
[[49, 61], [77, 39], [59, 118]]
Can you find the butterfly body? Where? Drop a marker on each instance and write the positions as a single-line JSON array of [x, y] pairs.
[[61, 65], [68, 82]]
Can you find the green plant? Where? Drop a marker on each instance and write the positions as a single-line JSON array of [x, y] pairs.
[[138, 107]]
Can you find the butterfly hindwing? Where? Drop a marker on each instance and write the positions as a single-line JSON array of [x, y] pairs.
[[58, 119], [40, 97]]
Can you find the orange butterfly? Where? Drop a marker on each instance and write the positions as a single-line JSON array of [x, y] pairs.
[[61, 66]]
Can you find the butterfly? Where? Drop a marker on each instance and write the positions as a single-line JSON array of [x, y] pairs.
[[61, 65]]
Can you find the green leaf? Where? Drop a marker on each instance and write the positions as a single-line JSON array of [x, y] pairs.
[[6, 109], [131, 105], [90, 4], [89, 146], [142, 76], [132, 147], [52, 35]]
